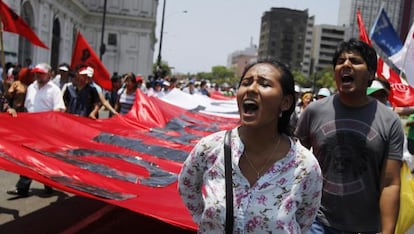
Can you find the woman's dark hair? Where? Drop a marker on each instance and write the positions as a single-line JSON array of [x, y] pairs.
[[130, 76], [288, 87], [366, 51]]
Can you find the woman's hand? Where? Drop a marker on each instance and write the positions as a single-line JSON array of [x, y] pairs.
[[12, 112]]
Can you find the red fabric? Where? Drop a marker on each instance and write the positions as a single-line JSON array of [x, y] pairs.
[[84, 54], [66, 152], [15, 24], [219, 96], [363, 35], [401, 94]]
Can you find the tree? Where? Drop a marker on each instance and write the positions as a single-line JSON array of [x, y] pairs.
[[301, 80], [163, 72], [219, 74], [205, 76], [325, 78]]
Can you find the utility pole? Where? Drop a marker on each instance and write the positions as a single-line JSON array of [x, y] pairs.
[[161, 35], [102, 48]]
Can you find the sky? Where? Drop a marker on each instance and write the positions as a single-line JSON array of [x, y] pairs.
[[200, 34]]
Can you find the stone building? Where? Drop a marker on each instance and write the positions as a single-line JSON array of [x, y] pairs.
[[129, 32], [283, 35]]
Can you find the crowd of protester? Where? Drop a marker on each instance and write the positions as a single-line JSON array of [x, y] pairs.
[[355, 135], [83, 97]]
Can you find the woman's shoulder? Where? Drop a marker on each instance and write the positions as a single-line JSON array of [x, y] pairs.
[[303, 154]]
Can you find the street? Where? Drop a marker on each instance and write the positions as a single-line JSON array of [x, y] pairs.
[[65, 213]]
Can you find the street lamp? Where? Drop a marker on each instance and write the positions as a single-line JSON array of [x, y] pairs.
[[102, 47], [161, 36]]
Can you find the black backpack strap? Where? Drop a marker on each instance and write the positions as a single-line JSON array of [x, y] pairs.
[[229, 182]]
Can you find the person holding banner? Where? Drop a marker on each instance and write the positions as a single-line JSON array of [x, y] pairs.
[[276, 181], [127, 95], [359, 144], [81, 98], [95, 113], [42, 95]]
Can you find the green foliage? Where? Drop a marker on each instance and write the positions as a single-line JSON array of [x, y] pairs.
[[301, 80], [325, 78], [164, 71], [219, 74], [205, 76]]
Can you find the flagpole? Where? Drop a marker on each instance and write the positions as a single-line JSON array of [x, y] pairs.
[[2, 50], [161, 35], [102, 47]]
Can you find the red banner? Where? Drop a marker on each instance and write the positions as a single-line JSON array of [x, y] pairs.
[[131, 161], [84, 54], [15, 24]]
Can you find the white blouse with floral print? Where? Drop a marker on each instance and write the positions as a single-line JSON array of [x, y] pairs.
[[284, 200]]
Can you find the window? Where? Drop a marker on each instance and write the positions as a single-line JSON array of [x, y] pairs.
[[112, 39]]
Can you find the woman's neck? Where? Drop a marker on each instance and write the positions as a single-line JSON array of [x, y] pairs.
[[259, 138]]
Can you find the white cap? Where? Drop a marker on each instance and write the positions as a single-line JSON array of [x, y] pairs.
[[42, 68], [64, 68], [324, 92], [86, 71]]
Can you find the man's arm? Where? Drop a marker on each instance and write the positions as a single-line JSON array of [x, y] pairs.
[[96, 103], [390, 195], [95, 111], [106, 104]]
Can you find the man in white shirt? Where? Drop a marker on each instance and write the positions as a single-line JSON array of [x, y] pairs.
[[42, 95]]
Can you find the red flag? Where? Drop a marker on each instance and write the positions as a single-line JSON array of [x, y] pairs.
[[401, 94], [84, 54], [14, 23], [363, 35]]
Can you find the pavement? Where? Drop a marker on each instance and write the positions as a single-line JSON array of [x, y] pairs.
[[62, 212]]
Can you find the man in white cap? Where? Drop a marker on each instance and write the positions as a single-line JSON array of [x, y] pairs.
[[90, 73], [323, 93], [62, 77], [81, 98], [42, 95]]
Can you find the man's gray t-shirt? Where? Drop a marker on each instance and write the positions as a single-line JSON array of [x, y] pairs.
[[351, 145]]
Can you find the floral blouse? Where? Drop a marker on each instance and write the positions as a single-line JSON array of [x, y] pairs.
[[284, 200]]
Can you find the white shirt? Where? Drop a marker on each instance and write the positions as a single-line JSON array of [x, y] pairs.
[[284, 200], [47, 98]]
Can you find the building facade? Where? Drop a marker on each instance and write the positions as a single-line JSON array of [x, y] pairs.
[[307, 62], [283, 35], [325, 40], [129, 32], [238, 60]]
